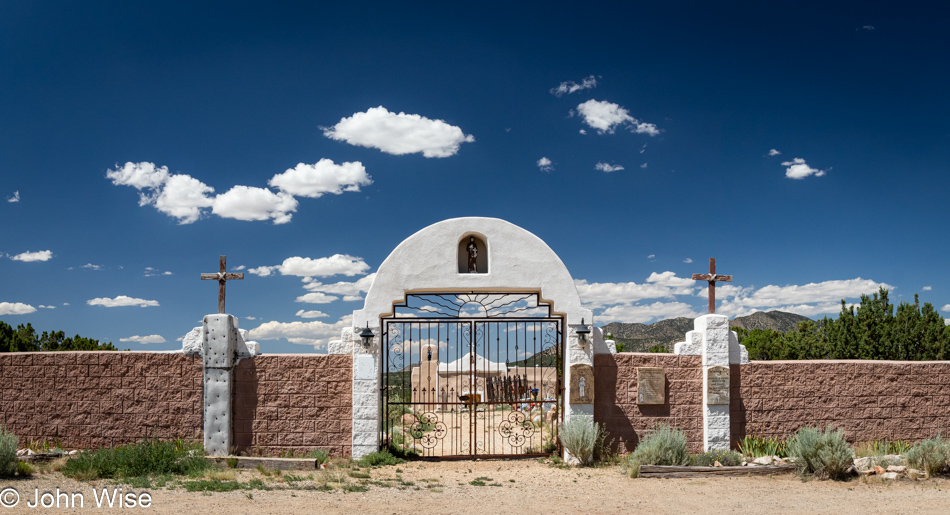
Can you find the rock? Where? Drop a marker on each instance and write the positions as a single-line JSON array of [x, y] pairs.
[[73, 452], [862, 464], [893, 458], [717, 464], [897, 468], [889, 475], [879, 469], [763, 460], [408, 419], [21, 452]]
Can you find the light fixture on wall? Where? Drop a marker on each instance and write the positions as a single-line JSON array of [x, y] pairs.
[[582, 334], [367, 336]]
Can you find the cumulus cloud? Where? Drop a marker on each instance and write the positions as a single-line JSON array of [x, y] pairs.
[[399, 134], [773, 152], [606, 167], [316, 298], [311, 314], [807, 299], [315, 333], [927, 288], [15, 308], [120, 301], [15, 197], [323, 177], [349, 290], [797, 169], [28, 257], [688, 260], [566, 88], [152, 338], [606, 117], [154, 272], [248, 203], [90, 266], [637, 313], [177, 195], [945, 308], [337, 264], [46, 307], [662, 285], [545, 164]]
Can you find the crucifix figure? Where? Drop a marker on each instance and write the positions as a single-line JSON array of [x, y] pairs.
[[711, 277], [221, 277]]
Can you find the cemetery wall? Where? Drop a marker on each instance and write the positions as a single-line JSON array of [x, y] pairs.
[[615, 402], [906, 400], [296, 402], [97, 399]]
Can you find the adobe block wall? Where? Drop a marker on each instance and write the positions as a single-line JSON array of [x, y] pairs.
[[615, 401], [294, 402], [97, 399], [906, 400]]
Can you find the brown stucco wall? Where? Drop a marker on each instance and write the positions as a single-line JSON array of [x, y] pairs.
[[906, 400], [294, 402], [97, 399], [615, 406]]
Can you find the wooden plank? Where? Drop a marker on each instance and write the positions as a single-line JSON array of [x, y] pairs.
[[246, 462], [662, 471]]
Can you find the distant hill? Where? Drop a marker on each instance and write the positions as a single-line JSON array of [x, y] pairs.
[[640, 337]]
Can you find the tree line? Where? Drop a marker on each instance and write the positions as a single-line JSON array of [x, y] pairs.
[[872, 330], [24, 339]]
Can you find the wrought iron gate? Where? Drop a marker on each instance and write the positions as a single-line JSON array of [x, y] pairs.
[[472, 375]]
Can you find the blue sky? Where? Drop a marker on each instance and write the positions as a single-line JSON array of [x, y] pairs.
[[803, 146]]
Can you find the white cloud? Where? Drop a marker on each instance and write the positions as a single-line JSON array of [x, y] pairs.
[[773, 152], [582, 131], [141, 176], [15, 308], [647, 312], [688, 261], [315, 333], [40, 255], [868, 27], [182, 197], [46, 307], [825, 295], [121, 300], [664, 285], [566, 88], [945, 308], [399, 134], [152, 338], [311, 314], [337, 264], [15, 197], [644, 165], [154, 272], [248, 203], [323, 177], [350, 290], [927, 288], [316, 298], [250, 318], [90, 266], [606, 117], [606, 167], [797, 169], [545, 164], [65, 303], [651, 256]]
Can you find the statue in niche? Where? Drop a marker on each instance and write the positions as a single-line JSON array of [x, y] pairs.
[[583, 386], [472, 255]]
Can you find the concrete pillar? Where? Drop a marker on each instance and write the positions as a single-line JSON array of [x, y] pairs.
[[219, 342]]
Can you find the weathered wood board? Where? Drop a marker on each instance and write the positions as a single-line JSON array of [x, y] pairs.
[[668, 471]]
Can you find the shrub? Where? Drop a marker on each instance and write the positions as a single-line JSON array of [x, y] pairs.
[[821, 453], [148, 457], [725, 458], [756, 446], [320, 455], [8, 444], [931, 455], [579, 435], [664, 446], [379, 459]]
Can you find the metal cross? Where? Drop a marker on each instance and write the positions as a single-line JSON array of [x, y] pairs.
[[221, 277], [711, 277]]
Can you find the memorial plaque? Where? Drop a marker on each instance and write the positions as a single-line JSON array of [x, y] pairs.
[[582, 384], [717, 386], [651, 385]]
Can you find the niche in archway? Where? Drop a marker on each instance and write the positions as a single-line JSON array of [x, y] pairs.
[[465, 253]]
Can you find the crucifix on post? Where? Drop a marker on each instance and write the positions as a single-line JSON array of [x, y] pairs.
[[711, 277], [221, 277]]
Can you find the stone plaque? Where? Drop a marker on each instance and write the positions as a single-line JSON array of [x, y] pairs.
[[651, 385], [717, 386], [582, 384]]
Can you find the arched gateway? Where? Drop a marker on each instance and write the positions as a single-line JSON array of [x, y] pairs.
[[474, 335]]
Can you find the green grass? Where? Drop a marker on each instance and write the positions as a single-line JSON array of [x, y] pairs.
[[381, 458], [146, 458]]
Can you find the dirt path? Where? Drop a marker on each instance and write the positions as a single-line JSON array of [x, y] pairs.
[[518, 487]]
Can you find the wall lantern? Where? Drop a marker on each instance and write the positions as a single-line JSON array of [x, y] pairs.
[[582, 334], [367, 336]]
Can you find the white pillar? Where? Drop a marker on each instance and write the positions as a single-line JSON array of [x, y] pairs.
[[219, 341]]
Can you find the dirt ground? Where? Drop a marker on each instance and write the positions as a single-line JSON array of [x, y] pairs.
[[513, 486]]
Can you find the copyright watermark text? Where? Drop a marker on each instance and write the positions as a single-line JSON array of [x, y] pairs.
[[114, 497]]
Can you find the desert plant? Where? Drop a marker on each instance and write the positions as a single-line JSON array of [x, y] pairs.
[[321, 455], [725, 458], [379, 459], [931, 455], [821, 453], [579, 435], [756, 446], [24, 469], [664, 446], [880, 447], [8, 444], [148, 457]]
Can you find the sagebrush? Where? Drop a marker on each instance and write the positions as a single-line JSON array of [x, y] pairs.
[[821, 453], [579, 435], [664, 446], [8, 445], [931, 455]]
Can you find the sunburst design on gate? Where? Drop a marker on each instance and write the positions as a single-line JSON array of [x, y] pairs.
[[517, 429]]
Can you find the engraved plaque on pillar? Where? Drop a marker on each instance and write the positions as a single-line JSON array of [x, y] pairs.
[[651, 385], [717, 386], [582, 384]]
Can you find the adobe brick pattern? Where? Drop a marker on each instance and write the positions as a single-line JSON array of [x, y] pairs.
[[615, 399], [906, 400], [296, 402], [98, 399]]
